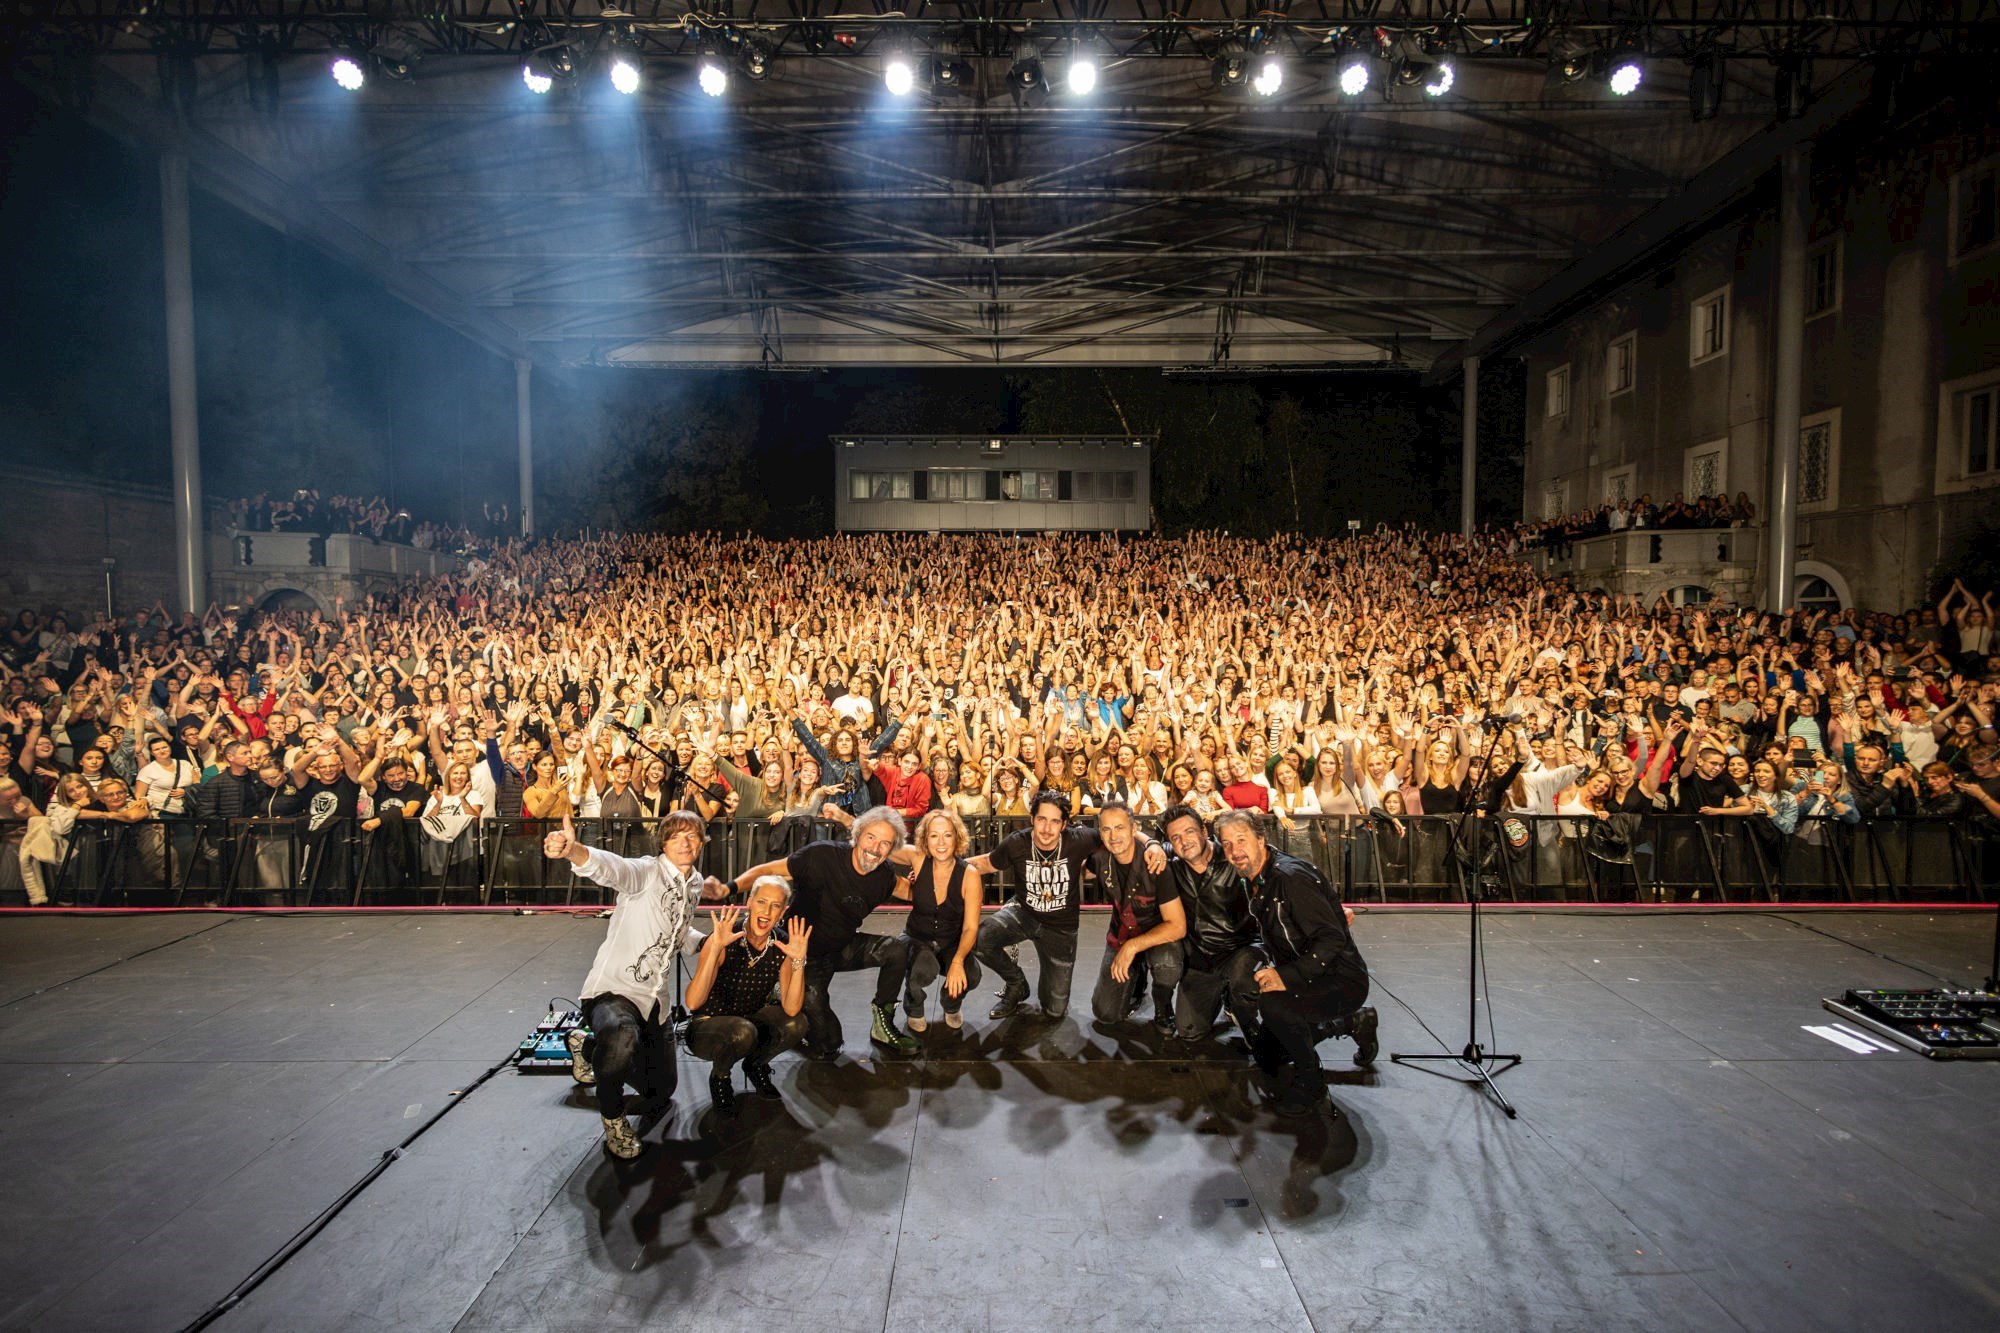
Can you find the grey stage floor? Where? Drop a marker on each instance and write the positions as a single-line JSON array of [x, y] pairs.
[[184, 1094]]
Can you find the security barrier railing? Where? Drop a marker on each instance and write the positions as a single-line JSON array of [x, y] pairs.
[[1515, 858]]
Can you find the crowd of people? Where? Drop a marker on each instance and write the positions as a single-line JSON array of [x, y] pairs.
[[1557, 535], [758, 681], [305, 510]]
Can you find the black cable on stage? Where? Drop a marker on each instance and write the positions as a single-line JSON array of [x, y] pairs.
[[1887, 958], [304, 1235], [119, 962]]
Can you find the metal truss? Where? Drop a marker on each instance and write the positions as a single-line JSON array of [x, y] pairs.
[[797, 221]]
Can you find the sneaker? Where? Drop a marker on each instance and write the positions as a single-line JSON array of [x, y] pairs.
[[1010, 1004], [916, 1022], [619, 1140], [954, 1020], [759, 1074], [1367, 1045], [579, 1064], [883, 1031], [722, 1091]]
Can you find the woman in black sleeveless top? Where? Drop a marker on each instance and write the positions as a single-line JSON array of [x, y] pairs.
[[944, 919]]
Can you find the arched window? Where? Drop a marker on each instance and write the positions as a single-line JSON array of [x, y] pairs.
[[1813, 593], [1688, 594]]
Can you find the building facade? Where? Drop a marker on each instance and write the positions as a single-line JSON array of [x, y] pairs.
[[1664, 386], [1015, 483]]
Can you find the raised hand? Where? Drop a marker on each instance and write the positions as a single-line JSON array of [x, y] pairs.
[[798, 935], [558, 845], [726, 930]]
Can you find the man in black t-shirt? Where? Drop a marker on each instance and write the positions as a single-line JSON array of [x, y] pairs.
[[835, 885], [327, 777], [1047, 860], [747, 992], [1147, 926], [1703, 789]]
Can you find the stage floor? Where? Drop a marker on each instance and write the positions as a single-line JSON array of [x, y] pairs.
[[185, 1093]]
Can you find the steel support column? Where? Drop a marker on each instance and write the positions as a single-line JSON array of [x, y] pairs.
[[190, 554], [1787, 375], [524, 432], [1468, 459]]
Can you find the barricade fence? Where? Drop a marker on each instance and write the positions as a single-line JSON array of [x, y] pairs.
[[1652, 858]]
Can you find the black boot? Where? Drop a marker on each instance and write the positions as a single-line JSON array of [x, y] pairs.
[[722, 1091]]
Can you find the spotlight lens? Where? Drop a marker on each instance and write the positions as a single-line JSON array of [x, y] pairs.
[[713, 79], [1354, 79], [625, 76], [898, 77], [1441, 80], [1270, 78], [348, 75], [1625, 78], [538, 83], [1082, 75]]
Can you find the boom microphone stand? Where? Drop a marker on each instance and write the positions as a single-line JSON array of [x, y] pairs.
[[1475, 1057]]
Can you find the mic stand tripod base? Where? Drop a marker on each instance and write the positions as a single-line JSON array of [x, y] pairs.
[[1476, 1060]]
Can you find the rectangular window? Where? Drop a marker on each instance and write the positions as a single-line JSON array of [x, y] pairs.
[[1708, 327], [1982, 450], [1010, 484], [1124, 485], [1621, 363], [1975, 210], [958, 484], [1083, 485], [1558, 392], [1819, 461], [878, 485], [1045, 486], [1555, 499], [1823, 279], [1707, 470], [1618, 484]]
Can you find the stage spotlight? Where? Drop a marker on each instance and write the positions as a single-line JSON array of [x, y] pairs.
[[348, 74], [396, 55], [1791, 90], [756, 60], [1232, 65], [538, 82], [1026, 72], [898, 75], [1354, 76], [1625, 75], [1574, 68], [1082, 73], [625, 75], [714, 74], [1440, 79], [1270, 77]]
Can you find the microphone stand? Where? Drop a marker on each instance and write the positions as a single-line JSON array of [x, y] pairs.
[[1474, 1057]]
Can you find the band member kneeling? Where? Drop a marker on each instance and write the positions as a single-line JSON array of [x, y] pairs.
[[630, 1039], [730, 995], [1313, 981], [943, 925]]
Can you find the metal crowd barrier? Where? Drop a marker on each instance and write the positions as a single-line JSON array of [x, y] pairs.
[[1640, 858]]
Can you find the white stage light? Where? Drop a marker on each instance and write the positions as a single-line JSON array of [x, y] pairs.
[[538, 83], [1354, 77], [348, 74], [714, 78], [1270, 78], [1440, 81], [624, 76], [1082, 74], [899, 76], [1625, 77]]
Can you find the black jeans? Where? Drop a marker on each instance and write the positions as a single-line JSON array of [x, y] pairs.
[[1206, 984], [1290, 1020], [723, 1039], [1014, 924], [928, 962], [1112, 999], [628, 1047], [889, 953]]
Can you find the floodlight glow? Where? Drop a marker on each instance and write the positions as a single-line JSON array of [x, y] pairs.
[[714, 78], [1354, 78], [348, 75], [1441, 80], [1270, 77], [624, 76], [899, 76], [538, 83], [1082, 75], [1625, 77]]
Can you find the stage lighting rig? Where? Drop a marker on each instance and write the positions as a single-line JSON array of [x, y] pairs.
[[1026, 73], [1083, 68], [1624, 71], [756, 59], [1270, 76], [714, 73], [545, 66], [347, 72], [396, 54], [899, 74], [946, 72], [624, 74], [1231, 68], [1354, 74], [1705, 86], [1791, 90]]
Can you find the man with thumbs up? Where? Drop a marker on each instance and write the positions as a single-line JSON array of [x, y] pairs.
[[630, 986]]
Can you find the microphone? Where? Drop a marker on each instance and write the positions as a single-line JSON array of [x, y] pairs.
[[1506, 719], [620, 727]]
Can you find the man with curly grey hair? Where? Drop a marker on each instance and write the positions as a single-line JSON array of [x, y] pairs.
[[835, 885]]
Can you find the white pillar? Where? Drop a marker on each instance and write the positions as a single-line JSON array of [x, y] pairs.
[[1787, 377], [190, 554], [524, 432], [1468, 462]]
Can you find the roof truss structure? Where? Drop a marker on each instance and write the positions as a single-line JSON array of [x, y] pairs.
[[806, 218]]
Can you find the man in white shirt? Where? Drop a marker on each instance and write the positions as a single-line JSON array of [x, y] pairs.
[[630, 988]]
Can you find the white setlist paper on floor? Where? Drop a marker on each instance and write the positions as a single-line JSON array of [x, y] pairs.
[[1848, 1037]]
